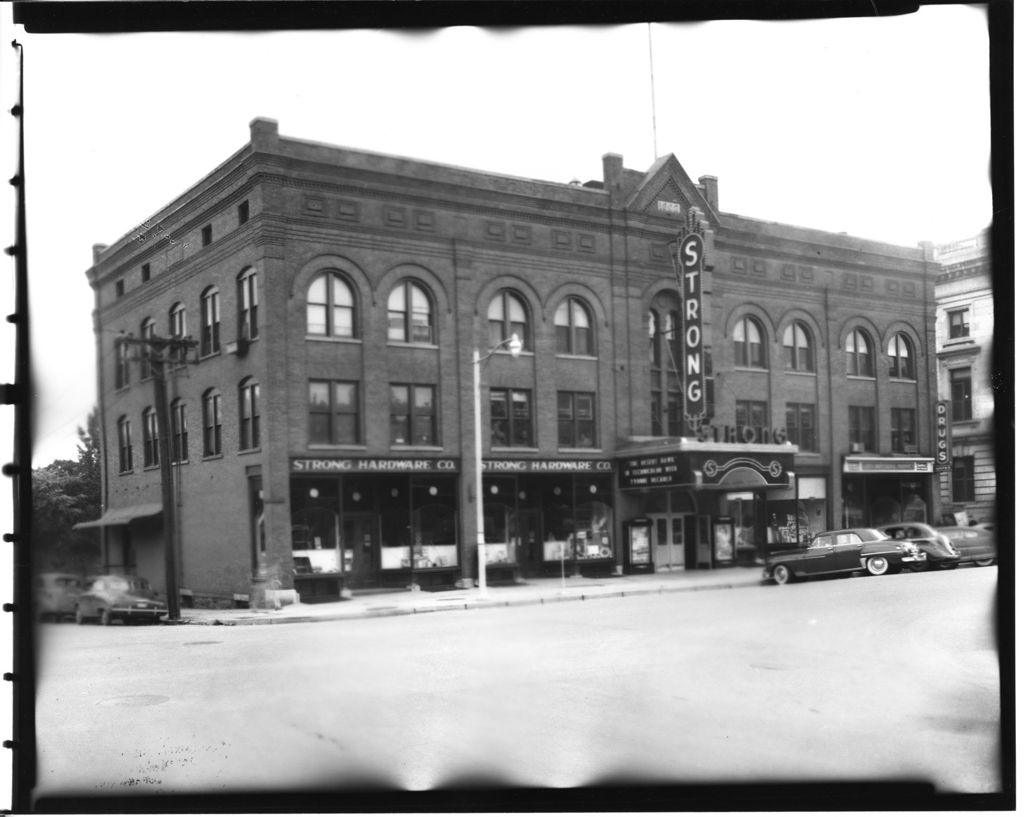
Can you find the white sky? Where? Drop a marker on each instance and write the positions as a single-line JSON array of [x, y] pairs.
[[879, 128]]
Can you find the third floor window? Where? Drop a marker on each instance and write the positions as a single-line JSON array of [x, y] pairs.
[[330, 307], [410, 314], [959, 323]]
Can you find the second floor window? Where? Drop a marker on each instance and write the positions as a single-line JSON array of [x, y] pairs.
[[249, 415], [753, 413], [901, 358], [209, 307], [577, 427], [904, 431], [506, 316], [333, 412], [211, 424], [248, 306], [413, 415], [960, 394], [862, 427], [179, 432], [150, 439], [410, 314], [959, 323], [124, 444], [511, 418], [574, 332], [330, 307], [748, 345], [122, 372], [801, 425], [860, 359], [147, 331]]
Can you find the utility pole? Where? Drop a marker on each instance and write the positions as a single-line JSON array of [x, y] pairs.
[[162, 355]]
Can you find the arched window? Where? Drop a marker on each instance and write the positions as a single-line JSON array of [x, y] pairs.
[[150, 439], [410, 314], [177, 328], [655, 339], [211, 423], [122, 374], [209, 316], [179, 432], [507, 316], [748, 344], [573, 328], [248, 305], [860, 359], [176, 324], [672, 339], [796, 341], [901, 358], [147, 331], [124, 444], [330, 307], [248, 414]]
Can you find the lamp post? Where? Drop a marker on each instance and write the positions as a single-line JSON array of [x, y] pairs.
[[515, 346]]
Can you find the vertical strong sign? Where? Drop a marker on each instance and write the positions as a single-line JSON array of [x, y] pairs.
[[691, 264]]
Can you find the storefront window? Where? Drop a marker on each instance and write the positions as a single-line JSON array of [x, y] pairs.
[[314, 504]]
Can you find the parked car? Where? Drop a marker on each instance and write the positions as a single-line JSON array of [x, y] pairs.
[[55, 595], [843, 552], [936, 546], [974, 543], [125, 598]]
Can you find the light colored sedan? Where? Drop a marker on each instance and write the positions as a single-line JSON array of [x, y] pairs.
[[974, 543]]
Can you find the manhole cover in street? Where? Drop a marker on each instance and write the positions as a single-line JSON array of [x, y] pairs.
[[135, 700], [200, 643]]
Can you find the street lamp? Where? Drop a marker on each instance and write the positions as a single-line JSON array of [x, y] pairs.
[[515, 346]]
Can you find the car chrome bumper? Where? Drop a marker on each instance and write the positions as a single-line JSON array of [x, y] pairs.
[[917, 557]]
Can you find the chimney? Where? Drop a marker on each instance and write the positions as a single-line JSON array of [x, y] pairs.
[[263, 134], [613, 176], [709, 184], [97, 251]]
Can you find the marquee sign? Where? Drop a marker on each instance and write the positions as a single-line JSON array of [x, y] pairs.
[[706, 469]]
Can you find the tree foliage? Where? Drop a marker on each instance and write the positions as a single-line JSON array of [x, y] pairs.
[[64, 493]]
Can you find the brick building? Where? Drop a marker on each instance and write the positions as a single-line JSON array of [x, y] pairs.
[[964, 329], [324, 424]]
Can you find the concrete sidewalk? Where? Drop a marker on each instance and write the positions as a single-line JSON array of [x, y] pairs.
[[534, 591]]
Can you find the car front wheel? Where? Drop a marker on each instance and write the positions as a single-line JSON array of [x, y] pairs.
[[782, 574], [876, 565], [984, 562]]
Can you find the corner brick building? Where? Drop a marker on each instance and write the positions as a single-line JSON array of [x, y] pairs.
[[323, 424]]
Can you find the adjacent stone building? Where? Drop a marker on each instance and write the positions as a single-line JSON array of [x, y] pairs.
[[323, 427], [964, 329]]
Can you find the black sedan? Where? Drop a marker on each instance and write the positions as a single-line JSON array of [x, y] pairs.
[[839, 552], [936, 546], [119, 598]]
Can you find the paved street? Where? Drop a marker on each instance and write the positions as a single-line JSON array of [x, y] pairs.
[[870, 679]]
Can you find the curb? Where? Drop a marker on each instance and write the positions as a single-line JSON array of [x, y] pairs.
[[464, 605]]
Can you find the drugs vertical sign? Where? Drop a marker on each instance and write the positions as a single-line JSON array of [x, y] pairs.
[[691, 265]]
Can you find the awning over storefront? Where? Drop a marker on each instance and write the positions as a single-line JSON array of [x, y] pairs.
[[680, 462], [888, 465], [122, 516]]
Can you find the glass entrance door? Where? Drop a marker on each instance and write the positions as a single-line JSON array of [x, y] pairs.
[[667, 533], [359, 549]]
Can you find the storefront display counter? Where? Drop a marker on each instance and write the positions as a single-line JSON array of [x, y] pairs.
[[428, 578], [317, 588]]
